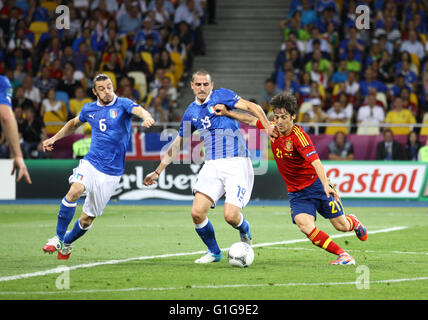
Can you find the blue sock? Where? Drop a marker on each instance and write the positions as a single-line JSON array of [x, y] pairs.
[[75, 233], [65, 215], [243, 225], [206, 232]]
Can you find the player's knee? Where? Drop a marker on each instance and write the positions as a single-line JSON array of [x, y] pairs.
[[198, 215], [74, 193], [85, 221], [232, 218]]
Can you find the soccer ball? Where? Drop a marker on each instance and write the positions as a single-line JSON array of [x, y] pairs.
[[240, 254]]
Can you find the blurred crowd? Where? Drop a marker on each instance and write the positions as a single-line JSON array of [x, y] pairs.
[[345, 74], [350, 78], [146, 47]]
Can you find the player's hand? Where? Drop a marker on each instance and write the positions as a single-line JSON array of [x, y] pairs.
[[48, 145], [148, 122], [273, 131], [330, 191], [150, 179], [19, 164], [220, 110]]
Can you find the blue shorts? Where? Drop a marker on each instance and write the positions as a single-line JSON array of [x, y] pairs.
[[312, 199]]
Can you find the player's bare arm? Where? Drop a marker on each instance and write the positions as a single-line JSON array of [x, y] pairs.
[[10, 129], [258, 112], [143, 114], [65, 131], [172, 152], [222, 110], [319, 168]]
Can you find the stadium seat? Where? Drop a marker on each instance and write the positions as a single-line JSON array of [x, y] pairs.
[[415, 60], [55, 116], [373, 130], [177, 60], [62, 96], [140, 82], [172, 77], [333, 129], [414, 99], [424, 131], [38, 28], [147, 57], [112, 77], [148, 100], [49, 5]]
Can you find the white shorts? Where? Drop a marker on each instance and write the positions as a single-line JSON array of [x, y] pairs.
[[99, 187], [233, 176]]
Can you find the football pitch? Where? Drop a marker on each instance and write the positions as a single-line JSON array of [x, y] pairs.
[[148, 252]]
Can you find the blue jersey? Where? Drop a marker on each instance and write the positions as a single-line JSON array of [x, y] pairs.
[[111, 130], [5, 91], [221, 135]]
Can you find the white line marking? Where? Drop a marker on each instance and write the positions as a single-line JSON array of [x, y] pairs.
[[243, 285], [101, 263], [355, 250]]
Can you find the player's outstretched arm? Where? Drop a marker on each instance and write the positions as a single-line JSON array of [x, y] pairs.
[[10, 129], [319, 168], [143, 114], [258, 112], [222, 110], [172, 152], [65, 131]]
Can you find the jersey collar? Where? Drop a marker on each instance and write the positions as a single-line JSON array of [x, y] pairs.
[[110, 104], [206, 100]]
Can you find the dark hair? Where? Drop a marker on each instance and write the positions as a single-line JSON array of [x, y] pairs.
[[100, 77], [285, 100]]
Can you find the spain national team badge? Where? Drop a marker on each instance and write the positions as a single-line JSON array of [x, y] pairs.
[[113, 113], [288, 145]]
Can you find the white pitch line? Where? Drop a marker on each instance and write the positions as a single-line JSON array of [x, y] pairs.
[[240, 285], [101, 263]]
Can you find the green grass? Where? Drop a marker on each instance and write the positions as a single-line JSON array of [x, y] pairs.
[[288, 271]]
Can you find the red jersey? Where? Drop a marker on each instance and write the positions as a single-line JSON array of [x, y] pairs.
[[294, 154]]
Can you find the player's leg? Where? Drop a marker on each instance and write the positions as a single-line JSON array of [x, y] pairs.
[[234, 217], [95, 203], [203, 227], [306, 224], [238, 176], [208, 189], [65, 215], [348, 222], [333, 210]]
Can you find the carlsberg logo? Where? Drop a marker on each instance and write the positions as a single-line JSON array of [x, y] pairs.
[[168, 186]]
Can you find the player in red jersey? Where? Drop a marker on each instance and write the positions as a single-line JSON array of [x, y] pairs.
[[304, 175]]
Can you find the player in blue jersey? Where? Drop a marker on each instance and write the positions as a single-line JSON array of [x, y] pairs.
[[10, 129], [227, 168], [99, 172]]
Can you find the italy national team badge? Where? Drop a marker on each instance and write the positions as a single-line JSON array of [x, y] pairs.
[[288, 145], [211, 109], [113, 113]]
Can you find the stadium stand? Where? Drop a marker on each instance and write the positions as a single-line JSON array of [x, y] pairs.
[[140, 41], [381, 73]]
